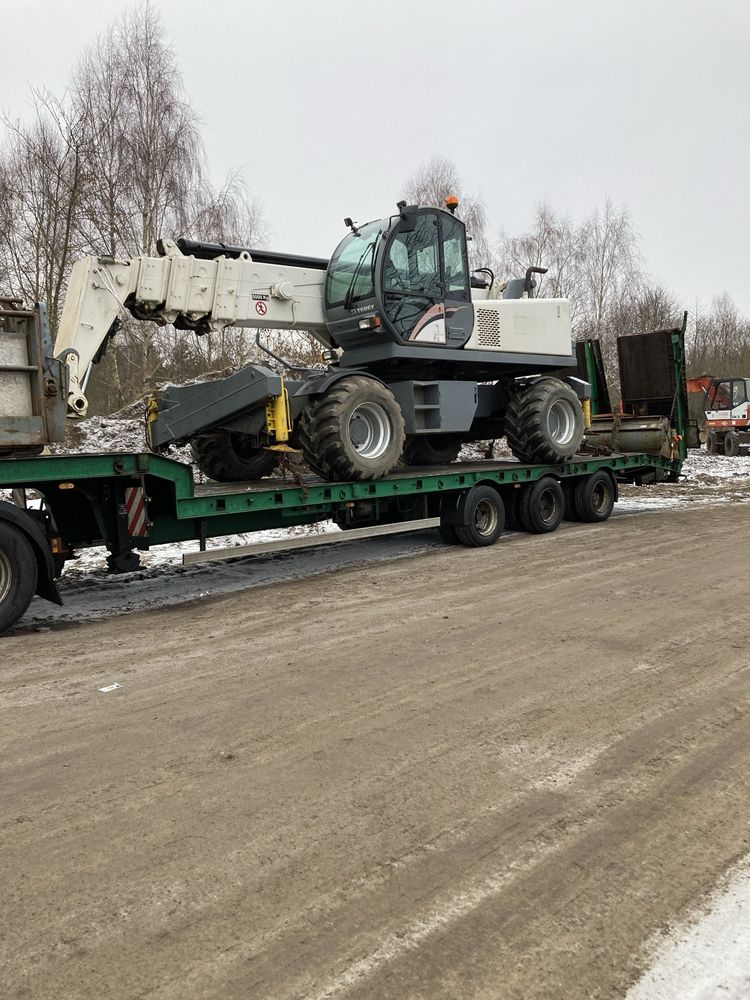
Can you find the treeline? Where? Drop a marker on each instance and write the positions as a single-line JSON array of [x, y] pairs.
[[107, 169], [119, 161]]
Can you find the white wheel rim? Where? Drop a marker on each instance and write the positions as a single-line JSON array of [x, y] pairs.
[[561, 422], [370, 430]]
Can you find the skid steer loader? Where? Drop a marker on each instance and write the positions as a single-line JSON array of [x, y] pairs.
[[421, 353]]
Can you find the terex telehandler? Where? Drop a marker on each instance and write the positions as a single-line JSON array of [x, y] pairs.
[[422, 354]]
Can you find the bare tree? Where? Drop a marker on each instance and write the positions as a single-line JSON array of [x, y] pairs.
[[432, 183], [719, 340], [554, 242], [610, 261], [43, 174]]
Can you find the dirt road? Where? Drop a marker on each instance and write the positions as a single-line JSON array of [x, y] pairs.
[[408, 780]]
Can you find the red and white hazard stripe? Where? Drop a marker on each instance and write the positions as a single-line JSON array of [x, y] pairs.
[[135, 504]]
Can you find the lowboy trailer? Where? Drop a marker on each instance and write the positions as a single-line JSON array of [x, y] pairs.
[[131, 501]]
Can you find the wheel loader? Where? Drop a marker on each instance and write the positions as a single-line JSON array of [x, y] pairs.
[[421, 354]]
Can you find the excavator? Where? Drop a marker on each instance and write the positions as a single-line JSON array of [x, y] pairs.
[[727, 409], [419, 353]]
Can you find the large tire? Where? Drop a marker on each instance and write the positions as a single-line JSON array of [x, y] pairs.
[[355, 431], [18, 574], [226, 458], [731, 445], [544, 422], [594, 497], [431, 449], [542, 506]]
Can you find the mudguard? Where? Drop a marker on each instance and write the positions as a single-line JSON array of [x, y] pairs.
[[318, 384], [46, 586]]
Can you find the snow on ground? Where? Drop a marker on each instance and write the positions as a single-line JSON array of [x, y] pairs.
[[705, 480], [709, 957]]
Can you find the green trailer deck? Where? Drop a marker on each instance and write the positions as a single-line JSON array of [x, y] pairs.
[[131, 501]]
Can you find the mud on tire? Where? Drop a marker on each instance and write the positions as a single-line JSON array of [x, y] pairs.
[[228, 458], [544, 422], [354, 431]]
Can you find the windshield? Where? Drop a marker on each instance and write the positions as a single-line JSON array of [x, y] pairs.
[[350, 271], [726, 395]]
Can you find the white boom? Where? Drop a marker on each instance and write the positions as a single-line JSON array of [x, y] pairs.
[[217, 293]]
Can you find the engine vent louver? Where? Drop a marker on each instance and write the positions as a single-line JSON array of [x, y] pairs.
[[488, 327]]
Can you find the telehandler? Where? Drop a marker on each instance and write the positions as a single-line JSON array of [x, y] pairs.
[[421, 354]]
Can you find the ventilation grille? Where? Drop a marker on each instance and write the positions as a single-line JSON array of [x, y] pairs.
[[488, 327]]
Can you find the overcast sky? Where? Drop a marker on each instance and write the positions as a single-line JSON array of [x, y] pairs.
[[328, 106]]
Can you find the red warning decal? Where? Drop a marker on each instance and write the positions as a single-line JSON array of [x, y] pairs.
[[261, 308], [135, 504]]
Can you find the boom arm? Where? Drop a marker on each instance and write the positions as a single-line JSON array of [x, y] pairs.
[[195, 294]]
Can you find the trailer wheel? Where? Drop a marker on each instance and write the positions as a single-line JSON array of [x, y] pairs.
[[542, 506], [431, 449], [544, 422], [18, 574], [594, 497], [227, 458], [482, 517], [710, 444], [354, 431], [731, 445]]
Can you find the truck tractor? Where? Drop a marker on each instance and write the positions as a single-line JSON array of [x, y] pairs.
[[420, 354], [727, 407]]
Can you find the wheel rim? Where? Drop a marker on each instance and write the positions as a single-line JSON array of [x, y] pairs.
[[485, 517], [548, 506], [561, 421], [600, 497], [370, 430], [6, 576]]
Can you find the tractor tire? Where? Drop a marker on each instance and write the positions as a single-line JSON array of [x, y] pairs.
[[353, 432], [542, 506], [226, 458], [594, 497], [544, 422], [430, 449], [483, 517], [731, 445], [18, 574]]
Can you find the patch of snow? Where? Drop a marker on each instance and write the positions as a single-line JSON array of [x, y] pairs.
[[92, 561], [710, 957]]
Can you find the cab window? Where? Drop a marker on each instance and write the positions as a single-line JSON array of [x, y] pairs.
[[412, 263]]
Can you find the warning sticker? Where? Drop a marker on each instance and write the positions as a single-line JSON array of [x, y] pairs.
[[261, 308]]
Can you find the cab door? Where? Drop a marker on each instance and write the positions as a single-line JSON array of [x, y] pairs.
[[424, 281], [459, 312]]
